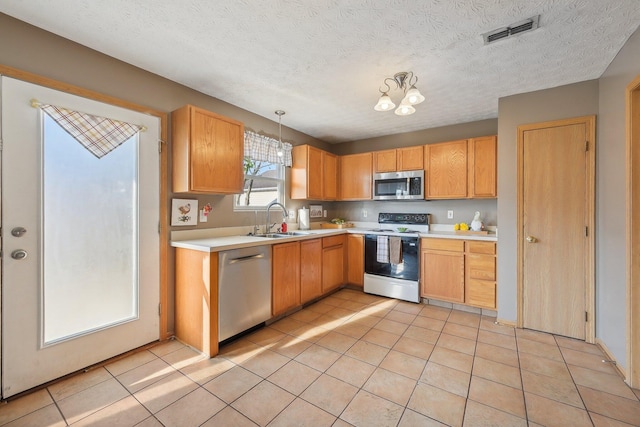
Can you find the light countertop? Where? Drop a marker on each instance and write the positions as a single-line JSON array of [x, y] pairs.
[[207, 240]]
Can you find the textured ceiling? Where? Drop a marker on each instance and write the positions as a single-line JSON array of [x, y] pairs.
[[323, 61]]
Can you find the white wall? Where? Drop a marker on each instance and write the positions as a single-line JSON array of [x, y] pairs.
[[579, 99], [611, 199]]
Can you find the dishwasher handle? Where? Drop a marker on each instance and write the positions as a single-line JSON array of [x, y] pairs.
[[245, 258]]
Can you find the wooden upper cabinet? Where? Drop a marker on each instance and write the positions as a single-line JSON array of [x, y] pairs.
[[207, 152], [329, 176], [355, 176], [410, 158], [482, 162], [400, 159], [384, 161], [313, 174], [446, 170]]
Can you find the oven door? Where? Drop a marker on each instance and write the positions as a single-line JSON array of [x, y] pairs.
[[409, 269]]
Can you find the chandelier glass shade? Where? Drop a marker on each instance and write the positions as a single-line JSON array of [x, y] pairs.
[[405, 81]]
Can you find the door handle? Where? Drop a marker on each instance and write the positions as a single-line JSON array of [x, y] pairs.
[[19, 254], [531, 239], [18, 231]]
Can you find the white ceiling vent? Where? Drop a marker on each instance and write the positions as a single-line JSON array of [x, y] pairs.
[[512, 30]]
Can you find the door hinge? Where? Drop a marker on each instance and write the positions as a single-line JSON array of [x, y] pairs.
[[586, 146], [586, 231], [586, 316], [159, 309], [160, 147]]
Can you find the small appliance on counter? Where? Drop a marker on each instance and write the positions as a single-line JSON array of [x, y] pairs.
[[392, 256]]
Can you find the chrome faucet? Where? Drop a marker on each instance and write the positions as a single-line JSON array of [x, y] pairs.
[[268, 225]]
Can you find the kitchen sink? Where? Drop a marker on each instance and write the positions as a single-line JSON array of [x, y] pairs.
[[285, 234], [295, 233]]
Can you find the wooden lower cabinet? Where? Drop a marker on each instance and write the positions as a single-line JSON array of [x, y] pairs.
[[459, 271], [442, 269], [285, 277], [480, 286], [333, 257], [355, 259], [196, 299], [310, 270]]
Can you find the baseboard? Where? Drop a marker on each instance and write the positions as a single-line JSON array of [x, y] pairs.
[[505, 322], [611, 359]]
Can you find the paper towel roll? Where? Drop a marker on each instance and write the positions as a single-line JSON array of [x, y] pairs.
[[303, 219]]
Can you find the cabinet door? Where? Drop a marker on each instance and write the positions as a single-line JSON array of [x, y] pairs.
[[306, 173], [483, 169], [330, 176], [410, 158], [208, 152], [314, 173], [196, 299], [355, 176], [442, 275], [355, 259], [447, 170], [384, 161], [310, 269], [332, 267], [481, 293], [285, 277]]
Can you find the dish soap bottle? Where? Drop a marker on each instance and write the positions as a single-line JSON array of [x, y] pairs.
[[476, 224]]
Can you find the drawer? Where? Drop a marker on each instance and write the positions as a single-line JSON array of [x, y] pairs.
[[442, 244], [480, 293], [481, 267], [333, 241], [481, 247]]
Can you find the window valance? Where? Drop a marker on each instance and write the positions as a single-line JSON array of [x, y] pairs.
[[99, 135], [264, 148]]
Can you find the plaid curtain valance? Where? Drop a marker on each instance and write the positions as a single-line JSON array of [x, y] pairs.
[[99, 135], [264, 148]]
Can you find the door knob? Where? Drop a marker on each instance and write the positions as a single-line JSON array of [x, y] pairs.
[[18, 231], [531, 239], [19, 254]]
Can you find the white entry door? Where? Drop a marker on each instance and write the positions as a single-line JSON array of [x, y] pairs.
[[80, 243]]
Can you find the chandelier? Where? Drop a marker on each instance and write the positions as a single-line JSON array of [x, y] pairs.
[[406, 81]]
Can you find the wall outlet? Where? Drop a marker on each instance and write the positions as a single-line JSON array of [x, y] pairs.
[[292, 215], [364, 213], [324, 213], [449, 214]]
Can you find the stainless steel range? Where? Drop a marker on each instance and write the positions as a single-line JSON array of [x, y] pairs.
[[392, 256]]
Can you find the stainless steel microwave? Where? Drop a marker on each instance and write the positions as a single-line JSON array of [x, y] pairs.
[[405, 185]]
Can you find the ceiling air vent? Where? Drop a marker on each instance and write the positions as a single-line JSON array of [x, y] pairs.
[[512, 30]]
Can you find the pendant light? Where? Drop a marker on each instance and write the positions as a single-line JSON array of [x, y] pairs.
[[280, 150]]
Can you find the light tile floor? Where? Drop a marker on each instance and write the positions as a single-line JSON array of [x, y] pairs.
[[350, 359]]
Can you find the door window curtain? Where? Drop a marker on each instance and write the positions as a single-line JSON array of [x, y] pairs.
[[99, 135], [263, 148]]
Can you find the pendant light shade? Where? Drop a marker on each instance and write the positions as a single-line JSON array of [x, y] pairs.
[[413, 96], [384, 103], [405, 109]]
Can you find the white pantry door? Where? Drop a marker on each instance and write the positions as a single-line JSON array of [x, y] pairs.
[[80, 243]]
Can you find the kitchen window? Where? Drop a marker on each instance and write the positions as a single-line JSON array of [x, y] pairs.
[[264, 174], [263, 184]]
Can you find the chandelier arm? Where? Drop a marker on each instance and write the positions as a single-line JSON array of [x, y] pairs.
[[384, 82]]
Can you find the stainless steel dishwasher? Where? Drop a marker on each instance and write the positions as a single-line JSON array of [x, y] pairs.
[[244, 289]]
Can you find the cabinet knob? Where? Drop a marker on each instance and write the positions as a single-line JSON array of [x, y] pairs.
[[531, 239]]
